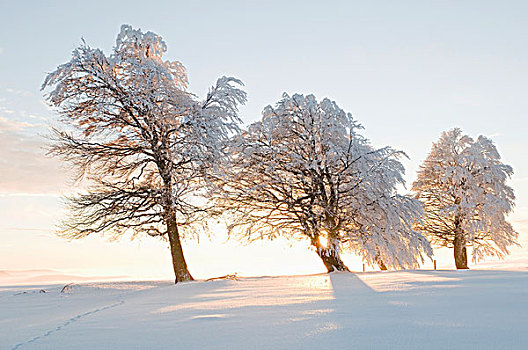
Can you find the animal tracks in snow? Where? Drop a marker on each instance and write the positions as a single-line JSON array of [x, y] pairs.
[[67, 323]]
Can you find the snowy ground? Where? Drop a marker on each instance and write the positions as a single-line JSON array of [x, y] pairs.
[[392, 310]]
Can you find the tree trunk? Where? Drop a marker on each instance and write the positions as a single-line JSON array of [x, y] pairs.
[[331, 259], [178, 260], [460, 250], [380, 263]]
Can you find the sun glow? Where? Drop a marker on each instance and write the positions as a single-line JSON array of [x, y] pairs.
[[323, 240]]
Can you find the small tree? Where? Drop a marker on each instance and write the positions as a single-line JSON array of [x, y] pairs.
[[303, 171], [462, 184], [144, 143]]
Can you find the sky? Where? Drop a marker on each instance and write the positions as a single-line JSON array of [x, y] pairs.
[[407, 70]]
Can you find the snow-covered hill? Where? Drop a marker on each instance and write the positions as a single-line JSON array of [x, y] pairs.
[[387, 310]]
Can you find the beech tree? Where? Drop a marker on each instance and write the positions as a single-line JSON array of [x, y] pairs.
[[304, 171], [143, 142], [462, 184]]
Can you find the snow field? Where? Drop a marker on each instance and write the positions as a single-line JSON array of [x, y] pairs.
[[387, 310]]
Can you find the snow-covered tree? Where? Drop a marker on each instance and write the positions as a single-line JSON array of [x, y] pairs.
[[304, 171], [462, 184], [143, 142]]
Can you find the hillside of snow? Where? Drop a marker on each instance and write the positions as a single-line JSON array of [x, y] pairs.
[[375, 310]]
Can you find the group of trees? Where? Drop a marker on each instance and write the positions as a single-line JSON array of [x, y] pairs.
[[161, 161]]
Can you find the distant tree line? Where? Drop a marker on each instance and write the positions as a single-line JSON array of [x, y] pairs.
[[161, 161]]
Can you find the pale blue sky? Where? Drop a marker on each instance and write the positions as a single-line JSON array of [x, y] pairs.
[[407, 70]]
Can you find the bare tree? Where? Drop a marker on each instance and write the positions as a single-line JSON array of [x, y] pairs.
[[141, 140], [304, 171], [462, 184]]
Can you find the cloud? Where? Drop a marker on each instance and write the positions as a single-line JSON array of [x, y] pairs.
[[22, 105], [19, 92], [24, 166], [1, 50], [13, 125], [33, 116]]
